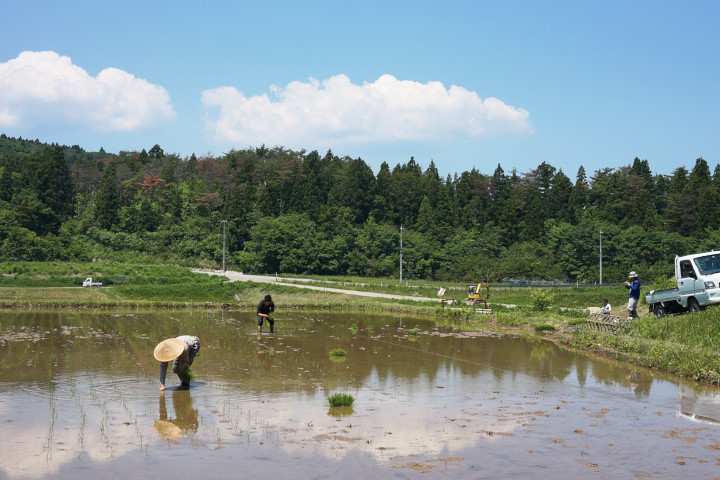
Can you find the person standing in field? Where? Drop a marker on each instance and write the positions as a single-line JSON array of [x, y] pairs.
[[181, 351], [265, 308], [634, 286]]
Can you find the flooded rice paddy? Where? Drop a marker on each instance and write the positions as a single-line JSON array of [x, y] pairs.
[[79, 397]]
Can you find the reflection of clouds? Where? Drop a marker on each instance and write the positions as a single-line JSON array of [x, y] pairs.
[[85, 417], [698, 404], [32, 446], [393, 417]]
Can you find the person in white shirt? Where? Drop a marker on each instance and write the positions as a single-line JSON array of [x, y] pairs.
[[606, 307]]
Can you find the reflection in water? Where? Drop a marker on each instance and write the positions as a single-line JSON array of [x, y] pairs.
[[698, 404], [498, 406], [186, 417], [340, 412]]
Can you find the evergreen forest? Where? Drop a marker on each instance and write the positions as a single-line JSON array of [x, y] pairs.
[[299, 212]]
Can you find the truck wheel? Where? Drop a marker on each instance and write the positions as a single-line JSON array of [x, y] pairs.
[[693, 305], [660, 311]]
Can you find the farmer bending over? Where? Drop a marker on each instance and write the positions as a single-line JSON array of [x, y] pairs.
[[266, 307], [182, 351]]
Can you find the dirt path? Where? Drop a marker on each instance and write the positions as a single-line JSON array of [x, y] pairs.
[[241, 277]]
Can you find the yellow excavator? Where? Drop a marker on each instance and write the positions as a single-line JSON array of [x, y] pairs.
[[479, 293]]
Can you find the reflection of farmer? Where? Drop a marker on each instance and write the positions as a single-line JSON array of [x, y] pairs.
[[265, 308], [634, 286], [186, 417], [182, 351], [639, 383]]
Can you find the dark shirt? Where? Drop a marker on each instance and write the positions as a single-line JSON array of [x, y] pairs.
[[266, 309], [634, 289]]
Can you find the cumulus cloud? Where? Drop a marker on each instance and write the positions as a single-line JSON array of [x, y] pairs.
[[44, 88], [337, 110]]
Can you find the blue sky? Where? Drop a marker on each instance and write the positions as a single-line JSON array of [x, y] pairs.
[[463, 83]]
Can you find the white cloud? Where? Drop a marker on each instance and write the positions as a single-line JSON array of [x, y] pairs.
[[336, 110], [46, 88]]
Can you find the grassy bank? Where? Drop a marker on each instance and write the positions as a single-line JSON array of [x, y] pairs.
[[567, 297], [127, 285], [686, 345]]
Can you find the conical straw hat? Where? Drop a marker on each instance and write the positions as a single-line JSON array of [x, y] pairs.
[[167, 430], [169, 349]]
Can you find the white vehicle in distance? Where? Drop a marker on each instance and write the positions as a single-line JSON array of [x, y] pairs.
[[89, 283]]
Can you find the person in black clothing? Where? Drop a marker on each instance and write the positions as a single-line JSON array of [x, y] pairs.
[[266, 307]]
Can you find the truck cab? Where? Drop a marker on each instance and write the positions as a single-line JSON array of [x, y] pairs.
[[698, 279]]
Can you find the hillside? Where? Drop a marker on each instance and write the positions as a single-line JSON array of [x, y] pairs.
[[303, 212]]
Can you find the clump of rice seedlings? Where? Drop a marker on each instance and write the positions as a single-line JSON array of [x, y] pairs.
[[412, 331], [187, 372], [341, 400], [354, 328], [338, 352], [542, 327]]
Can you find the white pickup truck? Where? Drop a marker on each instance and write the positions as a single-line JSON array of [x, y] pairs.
[[89, 283], [698, 285]]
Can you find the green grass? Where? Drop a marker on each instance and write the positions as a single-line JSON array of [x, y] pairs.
[[685, 345], [68, 274], [543, 327], [569, 297], [341, 400]]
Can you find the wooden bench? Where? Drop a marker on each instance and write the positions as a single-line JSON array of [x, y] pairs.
[[609, 323]]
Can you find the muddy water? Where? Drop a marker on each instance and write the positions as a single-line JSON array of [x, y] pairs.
[[79, 397]]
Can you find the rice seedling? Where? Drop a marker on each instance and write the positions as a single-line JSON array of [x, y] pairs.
[[341, 400], [576, 321], [187, 372], [412, 331], [338, 352]]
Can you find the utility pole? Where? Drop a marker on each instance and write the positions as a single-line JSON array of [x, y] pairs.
[[223, 223], [600, 257], [401, 230]]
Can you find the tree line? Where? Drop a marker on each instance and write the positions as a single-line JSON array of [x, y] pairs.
[[302, 212]]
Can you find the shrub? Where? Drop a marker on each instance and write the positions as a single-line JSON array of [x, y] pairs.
[[662, 282], [542, 298]]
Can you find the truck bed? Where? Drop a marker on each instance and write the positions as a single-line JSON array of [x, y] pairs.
[[666, 295]]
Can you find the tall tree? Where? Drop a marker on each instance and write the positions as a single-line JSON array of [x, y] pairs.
[[357, 191], [108, 199], [54, 187], [577, 201]]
